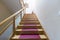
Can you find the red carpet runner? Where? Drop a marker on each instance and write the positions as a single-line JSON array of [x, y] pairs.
[[29, 29], [29, 24]]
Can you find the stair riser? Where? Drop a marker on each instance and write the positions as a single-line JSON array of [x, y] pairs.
[[29, 32], [29, 20], [33, 16], [30, 17], [28, 39], [29, 23], [25, 39], [29, 27]]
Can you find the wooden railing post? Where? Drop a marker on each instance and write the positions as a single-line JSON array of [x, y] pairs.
[[14, 24], [21, 14]]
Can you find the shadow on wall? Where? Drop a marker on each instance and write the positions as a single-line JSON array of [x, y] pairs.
[[13, 5], [4, 12]]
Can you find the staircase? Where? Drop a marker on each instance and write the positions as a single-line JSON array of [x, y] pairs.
[[29, 29]]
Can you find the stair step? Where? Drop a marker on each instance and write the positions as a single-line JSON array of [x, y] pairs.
[[30, 16], [29, 37], [29, 31], [29, 26], [29, 22], [30, 19]]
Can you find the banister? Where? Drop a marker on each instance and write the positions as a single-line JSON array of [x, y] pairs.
[[22, 2], [13, 20], [11, 16]]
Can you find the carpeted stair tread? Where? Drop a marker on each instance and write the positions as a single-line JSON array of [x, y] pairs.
[[29, 36], [29, 26], [29, 31]]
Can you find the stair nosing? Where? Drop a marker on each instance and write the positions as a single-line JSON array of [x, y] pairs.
[[30, 25]]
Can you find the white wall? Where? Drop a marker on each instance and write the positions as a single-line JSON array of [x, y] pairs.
[[48, 13], [13, 5]]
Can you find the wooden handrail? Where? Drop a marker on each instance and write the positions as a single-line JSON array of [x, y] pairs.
[[11, 16], [22, 2]]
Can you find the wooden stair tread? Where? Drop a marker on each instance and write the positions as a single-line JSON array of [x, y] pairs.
[[30, 22], [29, 25], [16, 37], [43, 37], [28, 30], [23, 26], [29, 16], [30, 19]]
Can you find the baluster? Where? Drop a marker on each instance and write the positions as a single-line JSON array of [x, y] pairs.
[[21, 14], [14, 24]]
